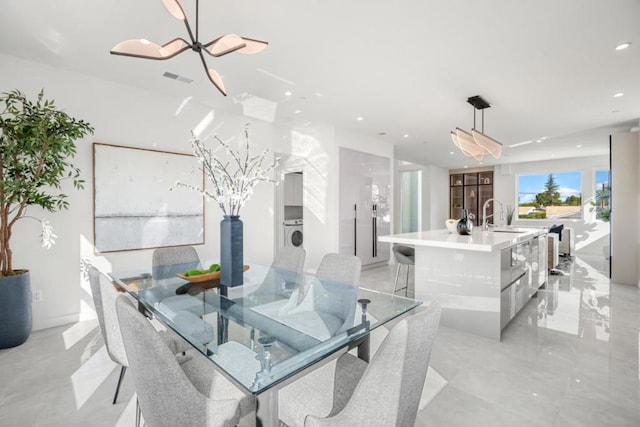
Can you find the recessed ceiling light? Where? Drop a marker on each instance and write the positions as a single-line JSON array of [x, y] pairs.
[[465, 166], [520, 143], [543, 138], [451, 152], [479, 163], [288, 93], [579, 146], [618, 95], [623, 46], [359, 119], [553, 155], [538, 141], [297, 112], [406, 135]]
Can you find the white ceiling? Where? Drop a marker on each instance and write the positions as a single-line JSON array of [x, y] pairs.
[[549, 68]]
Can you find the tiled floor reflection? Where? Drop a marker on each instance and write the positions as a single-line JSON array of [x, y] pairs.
[[570, 358]]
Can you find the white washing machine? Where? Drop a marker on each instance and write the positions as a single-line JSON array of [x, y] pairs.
[[293, 232]]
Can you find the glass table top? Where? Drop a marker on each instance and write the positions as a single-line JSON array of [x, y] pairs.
[[275, 325]]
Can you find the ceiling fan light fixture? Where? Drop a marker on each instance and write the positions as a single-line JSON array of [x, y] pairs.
[[253, 46], [143, 48], [216, 80], [226, 44], [175, 9]]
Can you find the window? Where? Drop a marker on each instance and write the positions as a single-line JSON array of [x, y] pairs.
[[555, 195], [600, 203]]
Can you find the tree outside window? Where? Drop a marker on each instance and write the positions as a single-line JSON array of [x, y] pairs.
[[550, 196], [601, 204]]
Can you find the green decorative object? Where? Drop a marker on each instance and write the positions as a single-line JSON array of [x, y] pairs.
[[510, 212]]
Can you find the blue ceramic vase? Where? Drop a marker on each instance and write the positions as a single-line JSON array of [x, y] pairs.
[[231, 251]]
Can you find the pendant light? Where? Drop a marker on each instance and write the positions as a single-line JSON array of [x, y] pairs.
[[476, 144]]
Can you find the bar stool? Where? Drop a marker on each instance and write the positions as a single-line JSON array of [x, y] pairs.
[[405, 255]]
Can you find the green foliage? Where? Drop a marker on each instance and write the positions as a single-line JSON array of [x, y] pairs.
[[550, 196], [573, 200], [601, 204], [534, 215], [510, 212], [37, 142]]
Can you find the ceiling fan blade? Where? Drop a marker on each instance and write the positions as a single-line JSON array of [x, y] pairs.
[[253, 46], [175, 9], [225, 44], [142, 48], [216, 80]]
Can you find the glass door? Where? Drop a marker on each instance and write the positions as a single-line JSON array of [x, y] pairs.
[[411, 201]]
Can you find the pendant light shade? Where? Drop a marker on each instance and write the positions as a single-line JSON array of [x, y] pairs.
[[489, 144], [468, 146], [476, 144]]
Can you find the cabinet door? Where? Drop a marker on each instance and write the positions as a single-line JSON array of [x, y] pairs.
[[365, 205], [457, 201], [471, 202], [485, 192]]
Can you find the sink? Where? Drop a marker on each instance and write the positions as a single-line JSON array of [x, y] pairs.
[[508, 230]]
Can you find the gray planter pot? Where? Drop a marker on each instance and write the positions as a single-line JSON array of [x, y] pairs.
[[15, 310]]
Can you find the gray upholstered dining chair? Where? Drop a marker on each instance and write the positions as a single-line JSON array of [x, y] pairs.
[[282, 277], [340, 268], [404, 255], [191, 393], [104, 299], [166, 262], [104, 296], [385, 392]]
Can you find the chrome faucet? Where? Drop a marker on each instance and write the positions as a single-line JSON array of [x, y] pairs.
[[485, 224]]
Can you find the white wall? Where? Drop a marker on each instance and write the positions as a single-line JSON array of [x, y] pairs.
[[625, 191], [124, 115], [590, 235]]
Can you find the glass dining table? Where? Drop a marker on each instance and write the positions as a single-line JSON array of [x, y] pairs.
[[275, 328]]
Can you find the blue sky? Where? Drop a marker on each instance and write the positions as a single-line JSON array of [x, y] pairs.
[[602, 177], [568, 182]]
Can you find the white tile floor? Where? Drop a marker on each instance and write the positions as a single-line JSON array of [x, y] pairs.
[[570, 358]]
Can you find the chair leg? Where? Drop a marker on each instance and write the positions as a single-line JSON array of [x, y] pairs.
[[138, 413], [406, 282], [395, 285], [123, 369]]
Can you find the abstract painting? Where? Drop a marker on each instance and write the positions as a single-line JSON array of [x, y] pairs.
[[135, 204]]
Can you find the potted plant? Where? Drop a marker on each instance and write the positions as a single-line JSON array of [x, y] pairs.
[[37, 142]]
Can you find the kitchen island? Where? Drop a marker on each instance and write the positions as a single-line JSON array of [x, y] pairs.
[[481, 280]]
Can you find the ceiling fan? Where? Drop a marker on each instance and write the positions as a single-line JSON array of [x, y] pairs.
[[142, 48]]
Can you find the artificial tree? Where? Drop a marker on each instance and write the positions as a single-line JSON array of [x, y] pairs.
[[37, 143]]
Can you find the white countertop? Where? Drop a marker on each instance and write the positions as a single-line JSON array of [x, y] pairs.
[[482, 241]]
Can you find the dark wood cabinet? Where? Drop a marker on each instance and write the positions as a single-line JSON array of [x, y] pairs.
[[470, 191]]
